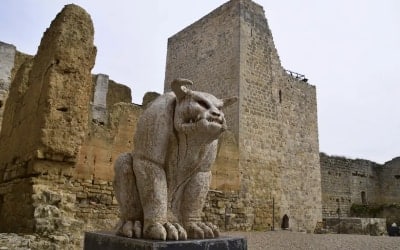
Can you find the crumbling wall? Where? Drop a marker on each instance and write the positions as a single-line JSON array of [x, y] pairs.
[[57, 153], [360, 188], [53, 115], [346, 181], [7, 58], [46, 116], [389, 182]]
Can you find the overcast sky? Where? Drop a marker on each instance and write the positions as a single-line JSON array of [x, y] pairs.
[[348, 49]]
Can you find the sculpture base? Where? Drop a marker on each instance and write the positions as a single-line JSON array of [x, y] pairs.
[[110, 241]]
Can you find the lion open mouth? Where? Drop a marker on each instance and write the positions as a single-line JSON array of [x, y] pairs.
[[215, 120], [208, 119]]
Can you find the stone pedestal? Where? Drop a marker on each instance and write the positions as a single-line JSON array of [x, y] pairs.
[[109, 241]]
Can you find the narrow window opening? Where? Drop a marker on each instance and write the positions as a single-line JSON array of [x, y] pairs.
[[280, 96], [63, 109], [363, 198], [285, 222], [1, 103]]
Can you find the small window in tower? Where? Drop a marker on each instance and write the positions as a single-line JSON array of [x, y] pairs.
[[1, 103], [280, 96]]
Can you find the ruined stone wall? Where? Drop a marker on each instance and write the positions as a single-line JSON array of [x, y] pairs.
[[57, 153], [389, 182], [45, 117], [7, 57], [20, 67], [55, 98], [344, 180], [231, 52]]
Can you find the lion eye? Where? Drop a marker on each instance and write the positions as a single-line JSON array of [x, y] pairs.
[[203, 104]]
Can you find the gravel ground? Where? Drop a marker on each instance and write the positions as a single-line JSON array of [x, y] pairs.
[[278, 240], [294, 240]]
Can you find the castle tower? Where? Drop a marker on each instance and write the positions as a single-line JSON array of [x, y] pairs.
[[273, 126]]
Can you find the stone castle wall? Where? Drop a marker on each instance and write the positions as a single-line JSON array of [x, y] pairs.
[[343, 181], [389, 182], [346, 182], [231, 52]]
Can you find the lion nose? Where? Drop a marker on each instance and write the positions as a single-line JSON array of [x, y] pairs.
[[215, 113]]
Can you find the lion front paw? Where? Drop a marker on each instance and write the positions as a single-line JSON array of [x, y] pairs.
[[168, 231], [130, 229], [200, 230]]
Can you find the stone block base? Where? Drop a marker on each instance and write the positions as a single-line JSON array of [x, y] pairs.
[[110, 241]]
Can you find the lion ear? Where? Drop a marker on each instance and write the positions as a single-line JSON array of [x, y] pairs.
[[229, 101], [178, 86]]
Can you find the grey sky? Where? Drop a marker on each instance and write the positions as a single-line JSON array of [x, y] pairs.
[[350, 50]]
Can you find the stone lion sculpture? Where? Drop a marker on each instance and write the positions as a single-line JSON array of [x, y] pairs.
[[162, 185]]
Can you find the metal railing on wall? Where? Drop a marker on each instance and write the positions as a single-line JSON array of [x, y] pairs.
[[297, 76]]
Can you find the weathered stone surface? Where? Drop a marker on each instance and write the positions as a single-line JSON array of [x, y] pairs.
[[105, 143], [7, 58], [162, 185], [231, 52], [346, 182], [99, 104], [53, 115], [46, 187], [352, 225], [225, 171], [148, 98], [117, 93], [108, 241]]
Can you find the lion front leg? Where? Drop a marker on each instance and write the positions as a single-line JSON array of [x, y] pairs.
[[194, 197], [126, 193], [152, 187]]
